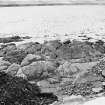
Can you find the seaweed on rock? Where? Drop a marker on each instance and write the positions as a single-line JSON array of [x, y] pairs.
[[17, 91]]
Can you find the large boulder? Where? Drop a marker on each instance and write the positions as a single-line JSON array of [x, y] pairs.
[[13, 69], [30, 58], [67, 69], [70, 52], [76, 51], [39, 69]]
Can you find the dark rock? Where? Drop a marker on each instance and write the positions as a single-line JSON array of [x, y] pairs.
[[99, 42], [26, 37], [7, 48], [67, 42], [31, 48], [15, 56], [17, 91], [10, 39]]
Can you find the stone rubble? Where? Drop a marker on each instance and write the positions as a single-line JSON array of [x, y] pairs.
[[64, 68]]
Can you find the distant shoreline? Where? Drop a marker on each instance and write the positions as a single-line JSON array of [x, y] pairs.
[[49, 4]]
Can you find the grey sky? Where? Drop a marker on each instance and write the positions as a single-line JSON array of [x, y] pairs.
[[6, 2]]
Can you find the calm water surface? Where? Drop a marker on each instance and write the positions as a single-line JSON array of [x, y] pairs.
[[54, 21]]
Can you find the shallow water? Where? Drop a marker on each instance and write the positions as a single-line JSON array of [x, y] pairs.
[[55, 21]]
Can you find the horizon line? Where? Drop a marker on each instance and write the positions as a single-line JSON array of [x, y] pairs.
[[48, 4]]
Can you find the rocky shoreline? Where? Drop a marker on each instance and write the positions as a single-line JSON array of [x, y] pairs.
[[68, 68]]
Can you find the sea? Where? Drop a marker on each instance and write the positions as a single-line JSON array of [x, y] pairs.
[[54, 22]]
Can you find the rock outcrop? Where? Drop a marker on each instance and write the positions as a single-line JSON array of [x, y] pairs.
[[7, 48], [13, 69], [15, 56], [4, 65], [30, 58], [31, 48], [39, 69]]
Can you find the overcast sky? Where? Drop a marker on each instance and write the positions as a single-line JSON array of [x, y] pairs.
[[48, 1]]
